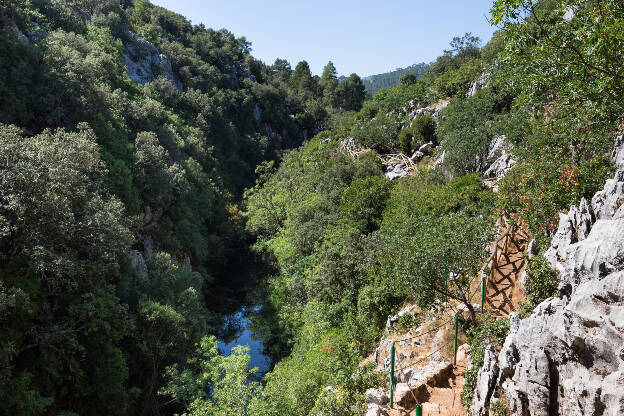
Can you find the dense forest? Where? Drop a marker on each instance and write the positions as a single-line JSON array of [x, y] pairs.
[[145, 158], [374, 83]]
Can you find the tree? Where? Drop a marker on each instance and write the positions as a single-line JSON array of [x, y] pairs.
[[467, 46], [63, 242], [211, 384], [281, 69], [431, 230], [353, 93], [408, 79], [302, 79], [329, 84], [571, 47]]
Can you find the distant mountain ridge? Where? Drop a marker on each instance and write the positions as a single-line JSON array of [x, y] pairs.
[[374, 83]]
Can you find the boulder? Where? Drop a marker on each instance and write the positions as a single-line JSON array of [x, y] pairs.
[[403, 395], [377, 396], [399, 171], [417, 380], [376, 410], [618, 151], [498, 157], [486, 381]]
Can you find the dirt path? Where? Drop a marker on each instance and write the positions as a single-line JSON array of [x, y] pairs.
[[503, 290], [446, 399]]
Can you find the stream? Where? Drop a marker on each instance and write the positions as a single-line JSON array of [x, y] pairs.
[[237, 332]]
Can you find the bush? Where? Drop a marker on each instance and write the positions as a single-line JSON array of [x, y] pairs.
[[406, 140], [364, 200], [406, 322], [486, 331], [380, 133], [424, 128], [541, 281]]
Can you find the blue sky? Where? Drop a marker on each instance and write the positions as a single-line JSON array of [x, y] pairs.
[[363, 36]]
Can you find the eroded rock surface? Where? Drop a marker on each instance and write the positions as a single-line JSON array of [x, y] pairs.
[[499, 158]]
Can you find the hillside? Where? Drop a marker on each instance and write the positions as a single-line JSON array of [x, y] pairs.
[[155, 177], [128, 136], [374, 83]]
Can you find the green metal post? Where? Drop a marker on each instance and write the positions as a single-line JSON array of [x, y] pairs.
[[392, 375], [482, 293], [455, 346], [418, 411]]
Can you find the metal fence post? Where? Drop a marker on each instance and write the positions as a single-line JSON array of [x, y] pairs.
[[392, 375]]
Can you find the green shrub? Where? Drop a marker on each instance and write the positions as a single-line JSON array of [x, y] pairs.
[[485, 331], [541, 280], [498, 408], [406, 322], [406, 140], [424, 129], [380, 133]]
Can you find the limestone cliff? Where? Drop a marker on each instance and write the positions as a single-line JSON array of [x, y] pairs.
[[568, 356]]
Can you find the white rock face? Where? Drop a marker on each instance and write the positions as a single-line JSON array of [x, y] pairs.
[[568, 357], [144, 62], [377, 396], [501, 161], [478, 85], [20, 35], [257, 112], [399, 171]]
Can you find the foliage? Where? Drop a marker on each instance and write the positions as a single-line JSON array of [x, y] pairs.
[[427, 228], [380, 133], [548, 180], [211, 384], [499, 408], [421, 131], [541, 281], [406, 322], [486, 331]]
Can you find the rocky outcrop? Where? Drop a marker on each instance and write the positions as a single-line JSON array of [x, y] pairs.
[[568, 357], [478, 85], [399, 171], [499, 158], [144, 62], [377, 396], [20, 35], [137, 261], [414, 111]]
